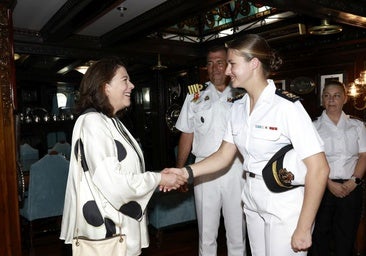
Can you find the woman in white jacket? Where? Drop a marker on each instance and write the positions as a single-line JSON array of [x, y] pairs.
[[113, 188]]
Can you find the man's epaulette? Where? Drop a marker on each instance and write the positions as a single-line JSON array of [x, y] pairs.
[[196, 88], [356, 117], [287, 95], [237, 97]]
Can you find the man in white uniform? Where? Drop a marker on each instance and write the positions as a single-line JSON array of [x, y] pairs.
[[203, 121]]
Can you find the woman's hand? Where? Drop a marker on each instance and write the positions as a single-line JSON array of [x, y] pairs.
[[172, 179], [349, 185], [338, 189], [301, 240]]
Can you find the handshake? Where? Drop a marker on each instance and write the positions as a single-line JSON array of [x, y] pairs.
[[174, 178]]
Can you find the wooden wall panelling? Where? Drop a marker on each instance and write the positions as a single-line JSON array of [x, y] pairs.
[[314, 65], [9, 214]]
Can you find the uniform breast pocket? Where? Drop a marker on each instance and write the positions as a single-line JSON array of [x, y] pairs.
[[351, 136], [327, 139], [236, 128], [328, 143], [202, 116], [264, 135]]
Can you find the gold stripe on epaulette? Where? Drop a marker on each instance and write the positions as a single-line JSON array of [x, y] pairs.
[[237, 97], [194, 88]]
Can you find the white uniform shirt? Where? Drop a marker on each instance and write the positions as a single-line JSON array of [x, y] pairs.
[[207, 118], [273, 123], [343, 142]]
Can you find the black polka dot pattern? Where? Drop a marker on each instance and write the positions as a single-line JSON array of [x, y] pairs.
[[132, 209], [110, 226], [92, 214], [80, 146], [121, 151], [76, 149], [90, 210]]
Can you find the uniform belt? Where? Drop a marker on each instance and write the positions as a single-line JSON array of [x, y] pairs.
[[252, 175]]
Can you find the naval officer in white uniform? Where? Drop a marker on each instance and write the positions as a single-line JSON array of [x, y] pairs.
[[263, 122], [203, 120]]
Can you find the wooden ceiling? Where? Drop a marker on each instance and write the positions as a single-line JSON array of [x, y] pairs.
[[53, 37]]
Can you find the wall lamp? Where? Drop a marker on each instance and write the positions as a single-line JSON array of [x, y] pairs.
[[357, 91], [83, 68]]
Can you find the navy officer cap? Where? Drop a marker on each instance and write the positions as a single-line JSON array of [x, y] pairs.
[[284, 171]]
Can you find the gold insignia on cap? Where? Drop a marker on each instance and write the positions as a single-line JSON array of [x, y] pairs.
[[282, 177], [285, 176]]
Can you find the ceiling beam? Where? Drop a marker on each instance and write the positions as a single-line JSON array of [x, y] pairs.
[[73, 16], [167, 14], [350, 12], [10, 4], [146, 46]]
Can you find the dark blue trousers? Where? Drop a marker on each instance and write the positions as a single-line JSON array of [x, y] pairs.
[[336, 224]]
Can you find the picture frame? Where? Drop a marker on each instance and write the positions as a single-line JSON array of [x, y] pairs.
[[29, 95], [326, 78], [143, 97], [281, 84]]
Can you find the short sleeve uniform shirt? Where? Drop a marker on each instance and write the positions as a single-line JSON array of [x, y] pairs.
[[274, 122], [207, 118], [343, 142]]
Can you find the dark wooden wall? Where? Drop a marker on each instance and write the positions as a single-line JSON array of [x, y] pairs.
[[9, 214], [330, 58]]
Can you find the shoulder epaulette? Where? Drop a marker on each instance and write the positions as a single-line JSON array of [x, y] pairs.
[[196, 88], [237, 97], [287, 95], [356, 117]]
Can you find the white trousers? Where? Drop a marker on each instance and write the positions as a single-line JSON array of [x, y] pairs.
[[214, 193], [271, 218]]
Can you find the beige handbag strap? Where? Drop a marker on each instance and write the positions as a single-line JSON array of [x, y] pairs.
[[78, 191], [81, 158]]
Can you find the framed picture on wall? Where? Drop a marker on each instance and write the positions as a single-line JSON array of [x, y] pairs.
[[29, 95], [327, 78], [280, 84]]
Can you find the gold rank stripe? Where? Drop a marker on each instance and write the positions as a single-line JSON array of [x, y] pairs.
[[194, 88]]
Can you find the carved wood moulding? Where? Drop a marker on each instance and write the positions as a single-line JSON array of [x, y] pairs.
[[5, 58]]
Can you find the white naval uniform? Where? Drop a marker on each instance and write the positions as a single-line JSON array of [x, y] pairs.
[[274, 122], [207, 118], [337, 219], [343, 142]]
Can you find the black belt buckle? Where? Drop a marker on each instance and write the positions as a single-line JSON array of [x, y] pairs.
[[250, 174]]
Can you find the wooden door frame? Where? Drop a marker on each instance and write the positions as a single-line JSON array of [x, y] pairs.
[[9, 210]]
